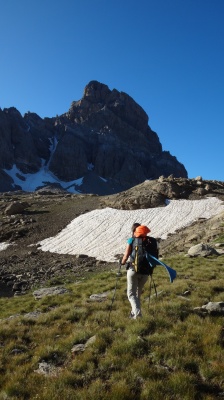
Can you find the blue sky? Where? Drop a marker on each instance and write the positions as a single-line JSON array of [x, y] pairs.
[[168, 55]]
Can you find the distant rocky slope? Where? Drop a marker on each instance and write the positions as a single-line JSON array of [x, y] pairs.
[[104, 138], [27, 218], [155, 193]]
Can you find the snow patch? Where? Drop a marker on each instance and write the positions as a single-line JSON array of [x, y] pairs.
[[103, 179], [4, 245], [103, 233], [30, 182], [90, 167]]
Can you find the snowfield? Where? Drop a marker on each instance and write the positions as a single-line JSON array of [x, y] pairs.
[[103, 233], [4, 245]]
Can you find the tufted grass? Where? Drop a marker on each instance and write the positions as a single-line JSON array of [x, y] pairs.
[[171, 353]]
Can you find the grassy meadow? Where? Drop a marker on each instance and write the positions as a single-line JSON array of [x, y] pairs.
[[171, 353]]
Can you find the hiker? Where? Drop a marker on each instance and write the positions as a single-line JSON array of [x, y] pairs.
[[135, 280]]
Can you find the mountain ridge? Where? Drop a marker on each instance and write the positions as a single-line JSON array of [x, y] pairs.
[[105, 132]]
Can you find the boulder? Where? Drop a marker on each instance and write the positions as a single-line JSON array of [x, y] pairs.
[[202, 250], [80, 348], [214, 308], [47, 369], [16, 207], [99, 297], [51, 291]]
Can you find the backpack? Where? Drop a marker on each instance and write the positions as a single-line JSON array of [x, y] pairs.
[[142, 247]]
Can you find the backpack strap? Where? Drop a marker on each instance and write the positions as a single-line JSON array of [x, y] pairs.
[[137, 250]]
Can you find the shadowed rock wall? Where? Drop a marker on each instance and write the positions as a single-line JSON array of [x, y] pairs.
[[106, 132]]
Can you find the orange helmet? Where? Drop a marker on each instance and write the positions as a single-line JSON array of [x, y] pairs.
[[141, 230]]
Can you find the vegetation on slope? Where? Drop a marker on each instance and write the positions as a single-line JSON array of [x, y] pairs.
[[173, 352]]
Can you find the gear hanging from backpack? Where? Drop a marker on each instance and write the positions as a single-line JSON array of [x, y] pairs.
[[142, 247]]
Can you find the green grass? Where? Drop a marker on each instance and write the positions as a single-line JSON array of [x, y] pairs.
[[171, 353]]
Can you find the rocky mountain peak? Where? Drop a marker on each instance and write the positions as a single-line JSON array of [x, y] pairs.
[[96, 92], [98, 97], [105, 129]]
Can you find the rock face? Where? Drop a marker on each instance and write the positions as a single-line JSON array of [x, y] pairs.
[[106, 132], [155, 193]]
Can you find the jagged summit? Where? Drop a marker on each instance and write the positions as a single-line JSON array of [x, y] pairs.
[[105, 132], [98, 97]]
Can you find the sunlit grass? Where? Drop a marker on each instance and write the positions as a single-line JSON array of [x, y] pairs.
[[171, 353]]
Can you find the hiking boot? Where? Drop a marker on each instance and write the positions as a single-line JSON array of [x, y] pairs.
[[139, 315]]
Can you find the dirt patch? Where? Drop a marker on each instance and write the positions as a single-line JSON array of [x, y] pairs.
[[22, 264]]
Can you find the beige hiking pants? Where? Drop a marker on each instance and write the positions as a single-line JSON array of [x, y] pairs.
[[135, 283]]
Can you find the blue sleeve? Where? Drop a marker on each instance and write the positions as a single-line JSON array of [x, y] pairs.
[[130, 241]]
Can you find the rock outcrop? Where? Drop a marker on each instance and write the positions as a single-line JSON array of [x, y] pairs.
[[155, 193], [106, 133], [202, 250]]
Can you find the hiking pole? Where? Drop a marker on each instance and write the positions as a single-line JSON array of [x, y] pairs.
[[118, 274], [150, 288]]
